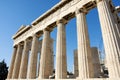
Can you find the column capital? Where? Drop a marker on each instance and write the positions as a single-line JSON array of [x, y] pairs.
[[64, 21], [82, 10], [15, 46], [46, 29], [27, 40], [21, 43], [97, 1], [35, 35]]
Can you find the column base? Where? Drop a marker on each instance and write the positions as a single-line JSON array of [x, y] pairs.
[[72, 79]]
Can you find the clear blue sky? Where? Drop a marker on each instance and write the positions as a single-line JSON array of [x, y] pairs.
[[14, 13]]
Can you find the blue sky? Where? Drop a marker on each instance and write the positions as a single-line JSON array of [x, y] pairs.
[[14, 13]]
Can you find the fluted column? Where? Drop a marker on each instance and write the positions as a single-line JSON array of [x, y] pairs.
[[10, 72], [84, 52], [109, 38], [46, 57], [17, 62], [117, 29], [24, 61], [117, 23], [61, 63], [33, 58]]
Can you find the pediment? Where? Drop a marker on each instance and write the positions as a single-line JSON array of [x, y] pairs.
[[21, 28]]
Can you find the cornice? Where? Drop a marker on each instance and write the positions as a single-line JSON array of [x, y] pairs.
[[21, 31], [50, 11]]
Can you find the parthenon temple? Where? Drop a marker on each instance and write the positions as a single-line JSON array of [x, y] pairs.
[[28, 45]]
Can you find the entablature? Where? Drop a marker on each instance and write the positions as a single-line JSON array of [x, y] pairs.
[[21, 31], [65, 9]]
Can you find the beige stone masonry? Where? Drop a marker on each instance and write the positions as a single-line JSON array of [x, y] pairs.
[[24, 61], [12, 63], [61, 63], [84, 52], [109, 38], [17, 62], [33, 58], [46, 57]]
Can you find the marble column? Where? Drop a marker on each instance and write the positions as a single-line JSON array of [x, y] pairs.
[[24, 61], [61, 63], [33, 58], [117, 23], [117, 29], [46, 57], [17, 61], [10, 72], [109, 38], [84, 52]]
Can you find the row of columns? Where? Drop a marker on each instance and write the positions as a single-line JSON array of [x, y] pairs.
[[19, 63], [110, 39]]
